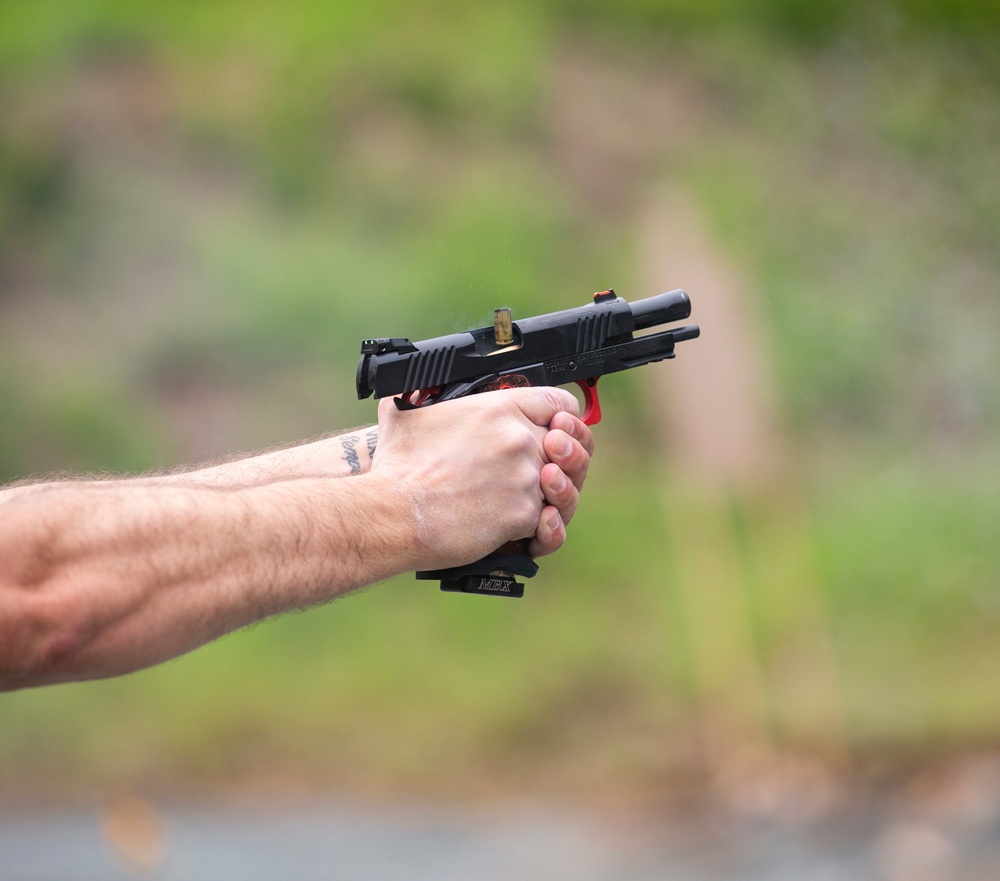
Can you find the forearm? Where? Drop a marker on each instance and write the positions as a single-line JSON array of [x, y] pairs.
[[99, 578], [341, 455], [114, 578]]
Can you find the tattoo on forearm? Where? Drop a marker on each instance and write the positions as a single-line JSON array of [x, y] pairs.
[[372, 439], [350, 453]]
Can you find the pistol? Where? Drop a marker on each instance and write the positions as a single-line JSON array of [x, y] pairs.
[[577, 345]]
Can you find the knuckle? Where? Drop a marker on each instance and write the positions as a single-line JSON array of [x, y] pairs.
[[560, 401], [575, 463], [560, 486], [568, 402], [559, 444], [525, 521], [579, 454], [529, 443], [568, 509]]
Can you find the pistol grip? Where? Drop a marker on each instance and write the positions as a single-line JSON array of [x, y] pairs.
[[493, 575]]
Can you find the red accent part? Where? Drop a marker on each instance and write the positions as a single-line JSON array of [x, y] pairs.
[[592, 404], [425, 393], [508, 380], [602, 296]]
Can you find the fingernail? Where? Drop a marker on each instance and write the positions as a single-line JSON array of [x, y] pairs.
[[558, 482], [555, 521], [563, 447]]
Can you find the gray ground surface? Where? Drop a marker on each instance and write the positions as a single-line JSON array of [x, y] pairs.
[[416, 844]]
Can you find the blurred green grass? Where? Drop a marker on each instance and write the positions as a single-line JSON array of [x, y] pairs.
[[222, 200]]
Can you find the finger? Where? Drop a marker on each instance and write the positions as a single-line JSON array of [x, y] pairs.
[[551, 533], [541, 404], [575, 428], [569, 454], [559, 491]]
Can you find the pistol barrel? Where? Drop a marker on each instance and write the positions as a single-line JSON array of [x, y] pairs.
[[661, 309]]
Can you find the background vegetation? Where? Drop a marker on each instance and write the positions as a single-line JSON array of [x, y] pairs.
[[204, 208]]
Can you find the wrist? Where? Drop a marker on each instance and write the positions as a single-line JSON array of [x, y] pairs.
[[336, 535]]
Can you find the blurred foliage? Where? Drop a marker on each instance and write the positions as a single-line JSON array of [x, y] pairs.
[[203, 208]]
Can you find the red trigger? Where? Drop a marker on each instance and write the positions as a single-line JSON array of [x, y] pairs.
[[592, 404], [425, 393]]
